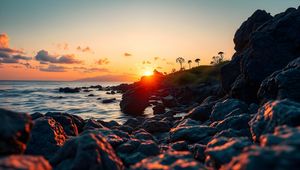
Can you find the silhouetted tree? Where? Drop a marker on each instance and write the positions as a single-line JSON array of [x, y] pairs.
[[190, 62], [173, 70], [217, 59], [180, 60], [197, 60]]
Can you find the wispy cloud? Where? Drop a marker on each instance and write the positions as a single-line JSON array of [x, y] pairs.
[[84, 49], [44, 57], [4, 45], [90, 70], [103, 61], [127, 54], [54, 68]]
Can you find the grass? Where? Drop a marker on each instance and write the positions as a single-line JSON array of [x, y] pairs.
[[195, 75]]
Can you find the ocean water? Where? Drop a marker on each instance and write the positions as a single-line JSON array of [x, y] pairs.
[[43, 97]]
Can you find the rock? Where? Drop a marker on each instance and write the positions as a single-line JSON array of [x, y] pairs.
[[69, 90], [198, 151], [200, 113], [179, 146], [159, 109], [222, 152], [36, 115], [222, 109], [88, 151], [92, 124], [169, 160], [191, 134], [66, 121], [133, 122], [142, 135], [109, 124], [24, 162], [135, 101], [14, 132], [154, 126], [239, 122], [272, 114], [270, 47], [282, 84], [169, 101], [96, 87], [135, 150], [46, 137], [91, 95], [261, 158], [105, 101]]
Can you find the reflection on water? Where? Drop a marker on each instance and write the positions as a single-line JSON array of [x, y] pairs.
[[38, 96]]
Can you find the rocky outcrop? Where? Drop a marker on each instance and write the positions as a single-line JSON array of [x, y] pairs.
[[46, 137], [24, 162], [169, 160], [14, 132], [66, 121], [282, 84], [89, 151], [69, 90], [272, 114], [264, 44]]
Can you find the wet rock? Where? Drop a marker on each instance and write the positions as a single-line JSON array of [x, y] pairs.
[[179, 146], [158, 109], [187, 122], [105, 101], [133, 122], [154, 126], [91, 95], [24, 162], [109, 124], [96, 87], [66, 121], [135, 101], [36, 115], [169, 101], [14, 132], [69, 90], [125, 128], [221, 152], [169, 160], [88, 151], [200, 113], [272, 114], [222, 109], [282, 84], [239, 122], [261, 158], [198, 151], [142, 135], [46, 137], [134, 151], [191, 134], [91, 124]]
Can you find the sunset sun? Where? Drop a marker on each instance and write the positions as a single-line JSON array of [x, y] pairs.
[[148, 73]]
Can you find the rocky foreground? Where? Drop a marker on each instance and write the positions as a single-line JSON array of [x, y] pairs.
[[249, 120]]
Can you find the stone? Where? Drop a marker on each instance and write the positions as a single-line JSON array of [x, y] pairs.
[[201, 113], [66, 121], [106, 101], [154, 126], [158, 109], [88, 151], [169, 160], [282, 84], [239, 122], [179, 146], [92, 124], [69, 90], [46, 137], [14, 132], [24, 162], [272, 114], [169, 101], [224, 108]]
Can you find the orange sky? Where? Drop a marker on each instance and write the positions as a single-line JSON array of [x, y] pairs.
[[116, 40]]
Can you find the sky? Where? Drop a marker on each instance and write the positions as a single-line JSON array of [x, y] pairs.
[[117, 40]]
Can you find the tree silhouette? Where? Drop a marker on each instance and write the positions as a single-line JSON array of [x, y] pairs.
[[197, 60], [173, 70], [180, 60], [190, 62], [217, 59]]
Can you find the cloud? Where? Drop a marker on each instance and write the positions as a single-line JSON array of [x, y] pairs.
[[63, 46], [11, 59], [20, 57], [84, 49], [103, 61], [90, 70], [54, 68], [44, 57], [112, 78], [28, 65], [127, 54], [4, 45]]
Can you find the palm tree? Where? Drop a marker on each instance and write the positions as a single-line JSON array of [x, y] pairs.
[[217, 59], [190, 62], [221, 54], [197, 60], [180, 60]]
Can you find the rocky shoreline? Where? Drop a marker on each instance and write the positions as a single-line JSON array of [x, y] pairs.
[[248, 120]]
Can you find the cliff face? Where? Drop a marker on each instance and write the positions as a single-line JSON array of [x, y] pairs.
[[263, 44]]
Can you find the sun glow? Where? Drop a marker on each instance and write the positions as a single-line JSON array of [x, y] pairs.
[[148, 73]]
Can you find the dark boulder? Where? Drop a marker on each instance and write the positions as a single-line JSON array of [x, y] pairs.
[[159, 109], [154, 126], [69, 90], [36, 115], [46, 137], [24, 162], [106, 101], [14, 132], [238, 122], [169, 160], [92, 124], [88, 151], [169, 101], [282, 84], [272, 114], [180, 146], [66, 121], [200, 113], [198, 151]]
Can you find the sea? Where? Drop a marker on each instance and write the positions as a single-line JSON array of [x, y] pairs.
[[43, 96]]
